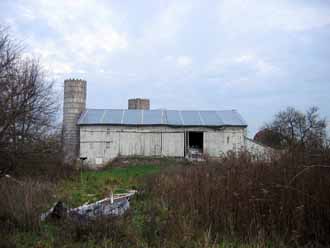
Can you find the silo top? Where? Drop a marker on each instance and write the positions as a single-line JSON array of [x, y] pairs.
[[75, 88]]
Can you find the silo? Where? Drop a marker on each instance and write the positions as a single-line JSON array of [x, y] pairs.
[[74, 105]]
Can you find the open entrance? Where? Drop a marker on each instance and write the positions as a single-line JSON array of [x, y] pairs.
[[196, 140], [194, 144]]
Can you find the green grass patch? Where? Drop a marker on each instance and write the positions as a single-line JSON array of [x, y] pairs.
[[94, 185]]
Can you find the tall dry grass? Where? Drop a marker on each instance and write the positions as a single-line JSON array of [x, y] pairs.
[[28, 192], [22, 202], [282, 202], [237, 198]]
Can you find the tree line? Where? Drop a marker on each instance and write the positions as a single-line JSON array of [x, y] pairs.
[[300, 133]]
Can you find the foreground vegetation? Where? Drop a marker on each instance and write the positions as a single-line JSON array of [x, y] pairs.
[[234, 202]]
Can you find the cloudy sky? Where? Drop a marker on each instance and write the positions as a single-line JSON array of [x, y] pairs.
[[256, 56]]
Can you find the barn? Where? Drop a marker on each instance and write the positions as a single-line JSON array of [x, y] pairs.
[[100, 135]]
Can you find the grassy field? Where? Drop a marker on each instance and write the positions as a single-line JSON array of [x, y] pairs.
[[135, 229], [91, 186], [235, 202]]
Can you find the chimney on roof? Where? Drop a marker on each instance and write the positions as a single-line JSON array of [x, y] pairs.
[[139, 103]]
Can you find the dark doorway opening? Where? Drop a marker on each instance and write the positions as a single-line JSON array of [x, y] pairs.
[[195, 140]]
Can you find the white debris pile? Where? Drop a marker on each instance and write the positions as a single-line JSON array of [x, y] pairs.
[[115, 205]]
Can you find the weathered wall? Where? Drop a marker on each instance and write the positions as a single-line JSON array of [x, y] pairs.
[[217, 143], [258, 151], [173, 144], [102, 143]]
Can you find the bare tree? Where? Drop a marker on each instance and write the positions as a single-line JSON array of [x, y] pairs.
[[9, 52], [297, 129], [269, 138], [27, 103]]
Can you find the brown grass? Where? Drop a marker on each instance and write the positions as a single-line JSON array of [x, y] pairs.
[[241, 199], [22, 202], [232, 202]]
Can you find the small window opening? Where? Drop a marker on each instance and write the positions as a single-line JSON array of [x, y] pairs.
[[107, 145], [227, 139], [108, 131]]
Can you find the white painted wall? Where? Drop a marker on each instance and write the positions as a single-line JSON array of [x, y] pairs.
[[104, 143]]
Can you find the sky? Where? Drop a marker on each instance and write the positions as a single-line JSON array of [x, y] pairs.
[[255, 56]]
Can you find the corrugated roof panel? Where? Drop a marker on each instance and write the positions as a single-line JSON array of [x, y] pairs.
[[191, 118], [112, 116], [173, 118], [210, 118], [91, 116], [132, 117], [161, 117], [230, 117], [151, 117]]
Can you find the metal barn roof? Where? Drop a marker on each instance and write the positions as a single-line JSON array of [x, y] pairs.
[[161, 117]]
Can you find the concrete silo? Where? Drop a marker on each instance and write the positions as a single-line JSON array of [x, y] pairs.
[[74, 105]]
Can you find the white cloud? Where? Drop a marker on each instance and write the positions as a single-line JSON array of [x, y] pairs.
[[60, 68], [80, 33], [183, 61], [92, 47], [241, 16], [27, 13], [241, 70], [246, 58], [168, 58], [265, 67], [81, 71], [167, 24], [261, 65]]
